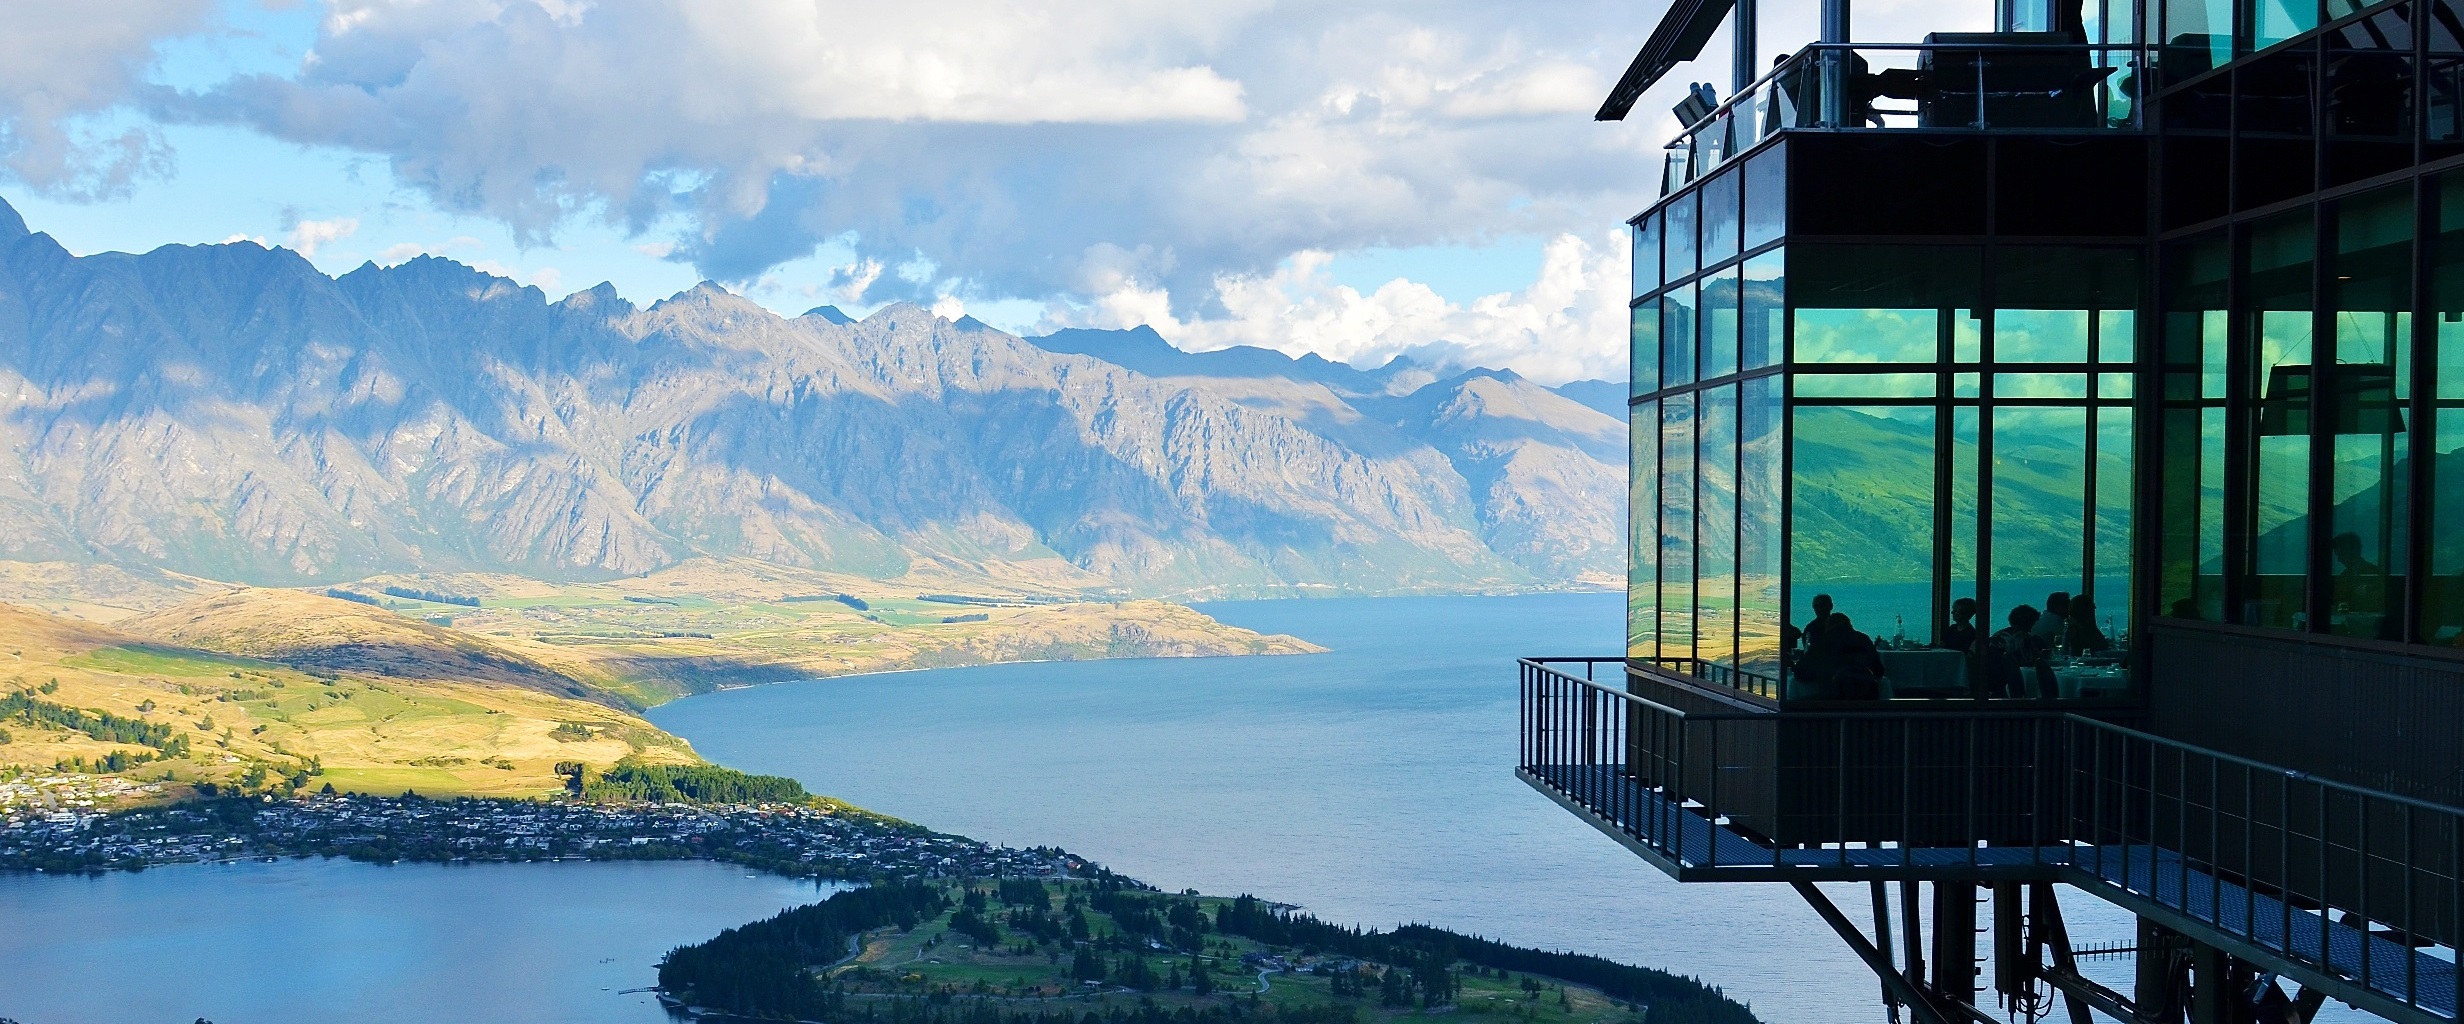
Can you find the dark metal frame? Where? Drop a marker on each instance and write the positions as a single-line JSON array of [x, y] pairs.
[[2332, 884]]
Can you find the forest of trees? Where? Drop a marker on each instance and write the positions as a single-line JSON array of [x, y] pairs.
[[635, 780], [758, 969], [1423, 951], [432, 596], [25, 706]]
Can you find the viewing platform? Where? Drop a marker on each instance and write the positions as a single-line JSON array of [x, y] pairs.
[[2350, 891]]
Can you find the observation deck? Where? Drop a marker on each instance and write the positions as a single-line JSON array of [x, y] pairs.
[[2353, 892]]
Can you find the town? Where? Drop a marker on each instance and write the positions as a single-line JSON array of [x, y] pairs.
[[791, 839]]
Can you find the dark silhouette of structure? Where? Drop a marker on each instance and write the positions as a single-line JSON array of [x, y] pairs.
[[2157, 305]]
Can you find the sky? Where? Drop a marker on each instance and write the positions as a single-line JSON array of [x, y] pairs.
[[1362, 179]]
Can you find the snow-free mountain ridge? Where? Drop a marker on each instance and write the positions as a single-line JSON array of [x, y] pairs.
[[228, 411]]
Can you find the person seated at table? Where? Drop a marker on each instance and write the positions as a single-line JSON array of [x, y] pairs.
[[2013, 653], [2080, 635], [1822, 617], [1960, 635], [2051, 622], [1859, 663]]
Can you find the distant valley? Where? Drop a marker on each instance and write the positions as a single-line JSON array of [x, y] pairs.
[[230, 413]]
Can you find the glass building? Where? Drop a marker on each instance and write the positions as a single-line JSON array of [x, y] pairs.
[[2048, 470]]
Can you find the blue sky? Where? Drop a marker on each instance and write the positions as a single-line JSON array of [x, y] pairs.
[[1359, 180]]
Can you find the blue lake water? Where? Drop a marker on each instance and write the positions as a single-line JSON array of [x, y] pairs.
[[1373, 784], [318, 942]]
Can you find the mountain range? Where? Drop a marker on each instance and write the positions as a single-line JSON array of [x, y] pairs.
[[230, 412]]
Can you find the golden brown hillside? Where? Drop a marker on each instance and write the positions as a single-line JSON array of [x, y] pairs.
[[102, 700], [315, 632]]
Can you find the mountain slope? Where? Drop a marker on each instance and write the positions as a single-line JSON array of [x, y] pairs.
[[228, 412]]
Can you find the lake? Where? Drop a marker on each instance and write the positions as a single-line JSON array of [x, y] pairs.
[[1373, 785], [316, 942]]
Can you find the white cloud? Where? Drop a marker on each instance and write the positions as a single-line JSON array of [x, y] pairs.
[[1003, 143], [949, 307], [255, 240], [308, 236], [1569, 324], [63, 64]]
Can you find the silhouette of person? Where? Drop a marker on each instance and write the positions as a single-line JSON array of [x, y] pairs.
[[2080, 634], [2012, 651], [1822, 618], [1859, 672], [2050, 622], [1960, 635]]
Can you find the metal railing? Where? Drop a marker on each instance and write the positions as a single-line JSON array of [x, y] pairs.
[[1962, 86], [2350, 882]]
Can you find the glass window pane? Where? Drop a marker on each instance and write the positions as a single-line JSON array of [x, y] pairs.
[[1759, 490], [1862, 531], [1645, 348], [2047, 297], [1677, 336], [2277, 325], [1677, 527], [1766, 196], [1765, 318], [1719, 216], [2040, 335], [1677, 241], [1719, 324], [2040, 385], [1643, 533], [1715, 530], [2192, 583], [2442, 598], [2368, 540], [1865, 385], [1966, 623], [2115, 386], [2116, 335], [2274, 21], [1647, 256], [2037, 533], [2109, 586], [1878, 303], [2198, 36]]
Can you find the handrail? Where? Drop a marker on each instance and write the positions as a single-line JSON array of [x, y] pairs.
[[2071, 717], [1824, 78]]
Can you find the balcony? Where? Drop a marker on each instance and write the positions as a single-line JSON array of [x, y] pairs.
[[2351, 890], [1949, 83]]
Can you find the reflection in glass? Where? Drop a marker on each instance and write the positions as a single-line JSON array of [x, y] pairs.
[[1759, 488], [1719, 217], [2277, 323], [1677, 239], [2040, 335], [2039, 506], [2110, 578], [2040, 385], [2274, 21], [1677, 336], [1643, 534], [1765, 316], [1719, 324], [1647, 256], [2116, 335], [1862, 523], [1677, 502], [2367, 548], [1715, 529], [1878, 303], [1766, 196], [1645, 347], [2442, 597], [1865, 385]]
